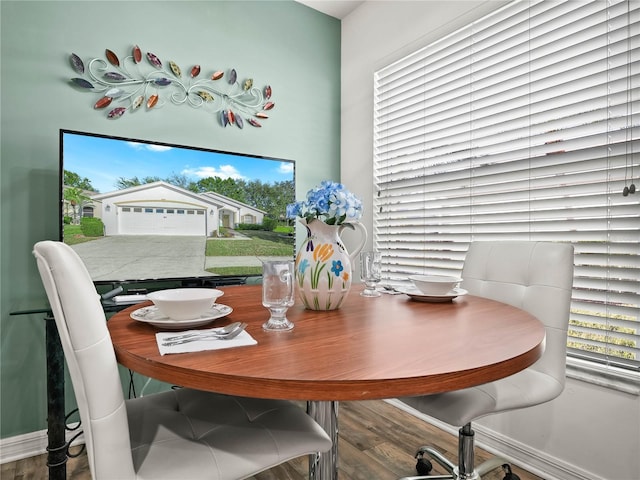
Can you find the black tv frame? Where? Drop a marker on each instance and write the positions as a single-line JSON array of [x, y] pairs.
[[142, 285]]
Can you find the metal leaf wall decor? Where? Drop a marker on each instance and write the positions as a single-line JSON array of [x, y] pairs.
[[134, 84]]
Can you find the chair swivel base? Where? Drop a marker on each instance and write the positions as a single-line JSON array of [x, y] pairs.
[[465, 470]]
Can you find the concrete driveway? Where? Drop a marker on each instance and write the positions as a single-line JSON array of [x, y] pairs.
[[126, 257]]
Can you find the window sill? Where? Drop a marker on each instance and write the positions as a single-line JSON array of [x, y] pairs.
[[608, 377]]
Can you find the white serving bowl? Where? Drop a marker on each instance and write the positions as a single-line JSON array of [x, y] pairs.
[[184, 303], [435, 284]]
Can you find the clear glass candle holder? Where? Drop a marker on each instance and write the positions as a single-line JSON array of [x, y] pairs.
[[278, 293], [370, 273]]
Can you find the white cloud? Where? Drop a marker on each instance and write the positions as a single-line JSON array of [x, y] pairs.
[[158, 148], [285, 167], [148, 146], [224, 171]]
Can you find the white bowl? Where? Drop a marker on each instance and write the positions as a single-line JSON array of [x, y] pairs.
[[184, 303], [435, 284]]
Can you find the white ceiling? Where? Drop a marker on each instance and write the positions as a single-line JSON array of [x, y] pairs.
[[336, 8]]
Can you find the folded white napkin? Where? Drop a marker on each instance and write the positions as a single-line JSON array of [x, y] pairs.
[[242, 340]]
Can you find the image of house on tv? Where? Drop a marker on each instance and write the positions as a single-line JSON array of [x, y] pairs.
[[160, 208]]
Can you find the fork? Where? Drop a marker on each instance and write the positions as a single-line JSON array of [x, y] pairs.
[[220, 331], [207, 336]]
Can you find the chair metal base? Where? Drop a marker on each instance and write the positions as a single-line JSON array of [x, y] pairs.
[[465, 469]]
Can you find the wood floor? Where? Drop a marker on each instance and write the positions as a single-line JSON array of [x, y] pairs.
[[377, 442]]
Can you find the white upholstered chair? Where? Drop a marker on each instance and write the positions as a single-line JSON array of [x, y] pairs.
[[178, 434], [536, 277]]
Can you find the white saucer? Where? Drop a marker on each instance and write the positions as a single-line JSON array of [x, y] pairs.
[[417, 295], [152, 316]]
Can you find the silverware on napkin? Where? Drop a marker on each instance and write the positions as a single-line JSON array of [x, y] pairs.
[[218, 331], [206, 336]]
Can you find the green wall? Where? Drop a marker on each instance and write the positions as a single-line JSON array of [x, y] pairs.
[[285, 44]]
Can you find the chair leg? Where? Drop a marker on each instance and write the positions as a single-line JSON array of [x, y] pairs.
[[441, 459], [465, 469], [489, 465], [438, 457], [428, 477]]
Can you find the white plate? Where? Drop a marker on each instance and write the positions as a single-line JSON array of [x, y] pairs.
[[152, 316], [417, 295]]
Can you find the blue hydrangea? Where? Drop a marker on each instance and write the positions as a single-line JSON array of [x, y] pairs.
[[329, 202]]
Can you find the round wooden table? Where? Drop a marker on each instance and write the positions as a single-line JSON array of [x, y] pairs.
[[371, 348]]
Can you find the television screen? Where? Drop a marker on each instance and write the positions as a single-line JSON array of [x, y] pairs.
[[136, 210]]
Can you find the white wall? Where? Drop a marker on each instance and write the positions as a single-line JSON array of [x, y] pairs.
[[590, 431]]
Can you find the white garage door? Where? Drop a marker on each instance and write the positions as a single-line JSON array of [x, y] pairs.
[[161, 221]]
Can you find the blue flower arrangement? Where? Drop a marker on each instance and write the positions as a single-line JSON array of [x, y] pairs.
[[330, 203]]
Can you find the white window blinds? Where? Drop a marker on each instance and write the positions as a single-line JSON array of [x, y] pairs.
[[522, 125]]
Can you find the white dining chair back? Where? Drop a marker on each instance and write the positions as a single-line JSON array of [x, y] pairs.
[[536, 277], [180, 433], [90, 358]]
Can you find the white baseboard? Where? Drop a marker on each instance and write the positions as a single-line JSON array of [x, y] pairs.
[[29, 445], [535, 461], [23, 446]]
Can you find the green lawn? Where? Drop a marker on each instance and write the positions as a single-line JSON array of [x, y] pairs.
[[236, 271], [73, 235], [261, 243]]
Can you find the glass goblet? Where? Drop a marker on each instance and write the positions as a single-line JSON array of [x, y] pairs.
[[370, 273], [278, 293]]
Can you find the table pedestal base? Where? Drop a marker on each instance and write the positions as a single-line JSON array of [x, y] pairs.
[[325, 465]]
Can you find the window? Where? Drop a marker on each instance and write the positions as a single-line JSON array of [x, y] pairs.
[[522, 125]]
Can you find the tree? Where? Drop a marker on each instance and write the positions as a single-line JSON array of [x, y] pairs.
[[72, 179], [228, 187], [75, 201], [179, 181], [175, 179], [272, 198], [134, 181], [282, 193]]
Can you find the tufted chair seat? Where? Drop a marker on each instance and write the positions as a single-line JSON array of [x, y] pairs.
[[207, 435]]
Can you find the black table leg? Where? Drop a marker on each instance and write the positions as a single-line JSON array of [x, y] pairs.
[[56, 421]]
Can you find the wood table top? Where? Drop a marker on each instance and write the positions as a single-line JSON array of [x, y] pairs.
[[370, 348]]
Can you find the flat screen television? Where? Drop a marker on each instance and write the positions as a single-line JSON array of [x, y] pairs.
[[139, 211]]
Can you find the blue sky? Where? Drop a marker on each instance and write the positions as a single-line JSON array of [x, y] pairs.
[[104, 160]]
